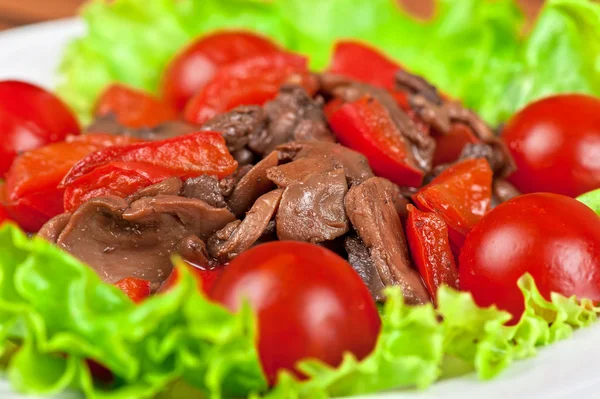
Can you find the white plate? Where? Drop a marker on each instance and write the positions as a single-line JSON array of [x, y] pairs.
[[569, 369]]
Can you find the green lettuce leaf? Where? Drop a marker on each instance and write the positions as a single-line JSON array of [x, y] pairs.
[[591, 199], [474, 50]]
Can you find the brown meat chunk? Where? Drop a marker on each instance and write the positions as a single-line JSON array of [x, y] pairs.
[[238, 125], [252, 185], [503, 191], [360, 260], [170, 186], [310, 157], [109, 124], [205, 188], [313, 210], [238, 236], [371, 210]]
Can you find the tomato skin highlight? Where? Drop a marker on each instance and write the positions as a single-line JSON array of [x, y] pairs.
[[556, 145], [310, 304], [197, 64], [427, 236], [136, 289], [553, 237], [366, 126], [250, 81], [30, 117], [364, 63], [133, 108]]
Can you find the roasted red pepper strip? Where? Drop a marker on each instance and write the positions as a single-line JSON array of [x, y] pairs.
[[366, 126], [133, 108], [206, 278], [191, 155], [253, 80], [364, 63], [120, 179], [32, 193], [3, 214], [449, 146], [427, 236], [136, 289], [461, 195]]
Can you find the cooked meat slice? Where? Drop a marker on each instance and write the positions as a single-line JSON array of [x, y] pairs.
[[310, 157], [360, 259], [193, 250], [370, 208], [312, 210], [252, 185], [238, 125], [109, 124], [294, 115], [228, 183], [243, 157], [170, 186], [52, 229], [195, 215], [415, 84], [399, 197], [503, 191], [433, 114], [238, 236], [205, 188]]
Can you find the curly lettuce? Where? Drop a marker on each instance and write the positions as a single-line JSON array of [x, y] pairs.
[[58, 314], [474, 50]]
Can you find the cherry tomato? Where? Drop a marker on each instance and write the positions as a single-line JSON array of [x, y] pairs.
[[136, 289], [30, 117], [553, 237], [310, 304], [133, 108], [250, 81], [193, 68], [556, 145], [362, 62], [206, 278]]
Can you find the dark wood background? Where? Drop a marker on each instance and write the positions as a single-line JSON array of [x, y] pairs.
[[21, 12]]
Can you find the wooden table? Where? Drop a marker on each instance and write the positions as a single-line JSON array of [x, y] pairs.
[[21, 12]]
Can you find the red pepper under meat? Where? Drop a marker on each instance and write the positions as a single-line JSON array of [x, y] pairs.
[[136, 289], [362, 62], [120, 179], [449, 146], [461, 195], [185, 156], [251, 81], [32, 193], [133, 108], [206, 278], [366, 126], [427, 236]]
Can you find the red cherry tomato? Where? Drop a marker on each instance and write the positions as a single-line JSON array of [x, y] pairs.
[[206, 278], [250, 81], [133, 108], [362, 62], [556, 145], [30, 117], [553, 237], [310, 304], [193, 68], [136, 289]]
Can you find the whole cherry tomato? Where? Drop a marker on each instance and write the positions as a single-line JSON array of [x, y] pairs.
[[310, 304], [556, 145], [553, 237], [30, 117], [133, 108], [193, 68]]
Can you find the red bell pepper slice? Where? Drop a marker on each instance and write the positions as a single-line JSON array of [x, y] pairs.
[[32, 195], [3, 215], [197, 64], [205, 278], [366, 126], [461, 195], [121, 179], [191, 155], [133, 108], [362, 62], [136, 289], [251, 81], [449, 146], [427, 236]]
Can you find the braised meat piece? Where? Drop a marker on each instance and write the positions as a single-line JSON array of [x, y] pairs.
[[238, 126], [503, 191], [205, 188], [306, 158], [239, 236], [312, 210], [360, 259], [370, 208], [108, 123]]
